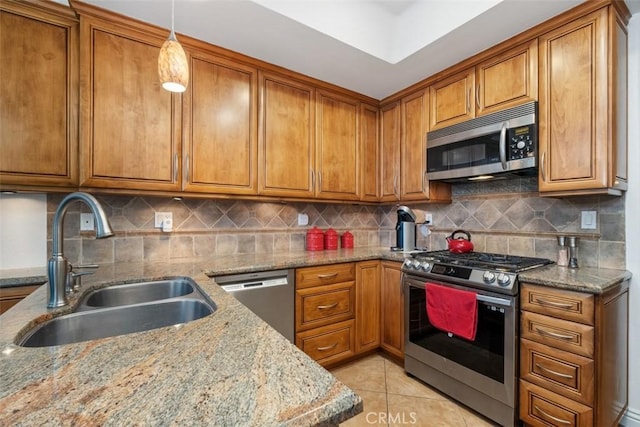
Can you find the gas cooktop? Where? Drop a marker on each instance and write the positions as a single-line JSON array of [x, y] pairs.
[[485, 260], [483, 270]]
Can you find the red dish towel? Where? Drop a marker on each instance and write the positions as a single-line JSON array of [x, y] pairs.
[[452, 310]]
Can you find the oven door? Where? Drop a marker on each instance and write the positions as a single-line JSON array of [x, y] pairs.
[[487, 364]]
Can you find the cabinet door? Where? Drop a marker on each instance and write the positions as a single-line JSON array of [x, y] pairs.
[[221, 127], [508, 79], [130, 126], [392, 300], [369, 153], [413, 148], [367, 306], [390, 152], [337, 158], [452, 100], [286, 147], [38, 95], [573, 125]]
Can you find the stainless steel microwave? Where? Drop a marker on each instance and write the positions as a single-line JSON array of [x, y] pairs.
[[493, 146]]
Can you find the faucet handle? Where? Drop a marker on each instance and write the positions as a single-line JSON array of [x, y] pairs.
[[74, 277]]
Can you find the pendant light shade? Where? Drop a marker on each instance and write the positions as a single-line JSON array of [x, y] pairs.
[[173, 68]]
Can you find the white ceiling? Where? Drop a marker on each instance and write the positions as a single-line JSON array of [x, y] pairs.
[[374, 47]]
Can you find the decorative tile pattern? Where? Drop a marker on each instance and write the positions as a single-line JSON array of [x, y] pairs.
[[503, 216]]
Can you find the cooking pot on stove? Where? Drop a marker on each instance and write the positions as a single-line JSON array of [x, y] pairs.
[[459, 245]]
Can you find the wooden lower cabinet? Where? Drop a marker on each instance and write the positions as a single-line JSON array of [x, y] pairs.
[[367, 306], [573, 356], [392, 309], [338, 310], [329, 344], [13, 295], [325, 312], [540, 407]]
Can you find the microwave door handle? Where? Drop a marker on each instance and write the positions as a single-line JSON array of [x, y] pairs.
[[503, 146]]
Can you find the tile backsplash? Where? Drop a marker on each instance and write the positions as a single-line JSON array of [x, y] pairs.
[[517, 223]]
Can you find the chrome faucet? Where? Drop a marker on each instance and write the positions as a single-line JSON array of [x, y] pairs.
[[59, 271]]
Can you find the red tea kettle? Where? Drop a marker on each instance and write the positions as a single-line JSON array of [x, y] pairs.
[[459, 245]]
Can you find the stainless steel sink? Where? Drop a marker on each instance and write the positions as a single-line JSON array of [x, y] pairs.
[[152, 305], [135, 293]]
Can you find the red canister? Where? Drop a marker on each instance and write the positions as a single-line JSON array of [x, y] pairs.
[[346, 240], [315, 239], [331, 239]]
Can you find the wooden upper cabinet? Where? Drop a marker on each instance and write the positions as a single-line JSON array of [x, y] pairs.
[[413, 147], [452, 99], [369, 153], [508, 79], [286, 143], [390, 152], [129, 126], [221, 127], [337, 151], [38, 95], [582, 131]]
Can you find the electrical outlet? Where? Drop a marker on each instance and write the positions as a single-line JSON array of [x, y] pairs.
[[86, 222], [428, 218], [589, 220], [161, 216], [303, 219]]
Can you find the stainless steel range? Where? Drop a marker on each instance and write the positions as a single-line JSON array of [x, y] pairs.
[[479, 372]]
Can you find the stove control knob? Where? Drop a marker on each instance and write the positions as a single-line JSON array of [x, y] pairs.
[[416, 264], [488, 277], [425, 266], [503, 279], [407, 263]]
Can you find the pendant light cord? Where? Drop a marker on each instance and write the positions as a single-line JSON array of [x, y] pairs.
[[173, 34]]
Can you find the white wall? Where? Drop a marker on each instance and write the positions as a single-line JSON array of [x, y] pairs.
[[632, 224], [23, 231]]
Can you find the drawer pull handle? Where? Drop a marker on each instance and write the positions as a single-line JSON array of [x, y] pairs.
[[553, 372], [551, 417], [553, 304], [327, 276], [329, 347], [327, 307], [554, 335]]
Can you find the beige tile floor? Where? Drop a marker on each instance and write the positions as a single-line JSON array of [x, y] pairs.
[[392, 398]]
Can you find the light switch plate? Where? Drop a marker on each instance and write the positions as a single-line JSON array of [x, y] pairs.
[[589, 220], [86, 222]]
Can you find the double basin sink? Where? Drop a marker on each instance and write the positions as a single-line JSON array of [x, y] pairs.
[[124, 309]]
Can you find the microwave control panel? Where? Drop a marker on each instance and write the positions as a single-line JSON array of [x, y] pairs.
[[522, 142]]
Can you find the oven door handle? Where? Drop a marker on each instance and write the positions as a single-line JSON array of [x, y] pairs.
[[493, 300]]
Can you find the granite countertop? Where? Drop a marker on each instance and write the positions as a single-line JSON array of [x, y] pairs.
[[583, 279], [229, 368]]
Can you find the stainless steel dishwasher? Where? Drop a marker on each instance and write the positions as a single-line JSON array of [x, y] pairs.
[[269, 294]]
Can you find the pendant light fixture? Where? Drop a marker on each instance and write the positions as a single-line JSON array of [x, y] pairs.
[[173, 68]]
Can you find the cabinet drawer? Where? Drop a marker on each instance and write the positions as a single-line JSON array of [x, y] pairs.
[[568, 305], [540, 407], [323, 305], [324, 275], [328, 344], [569, 336], [562, 372]]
